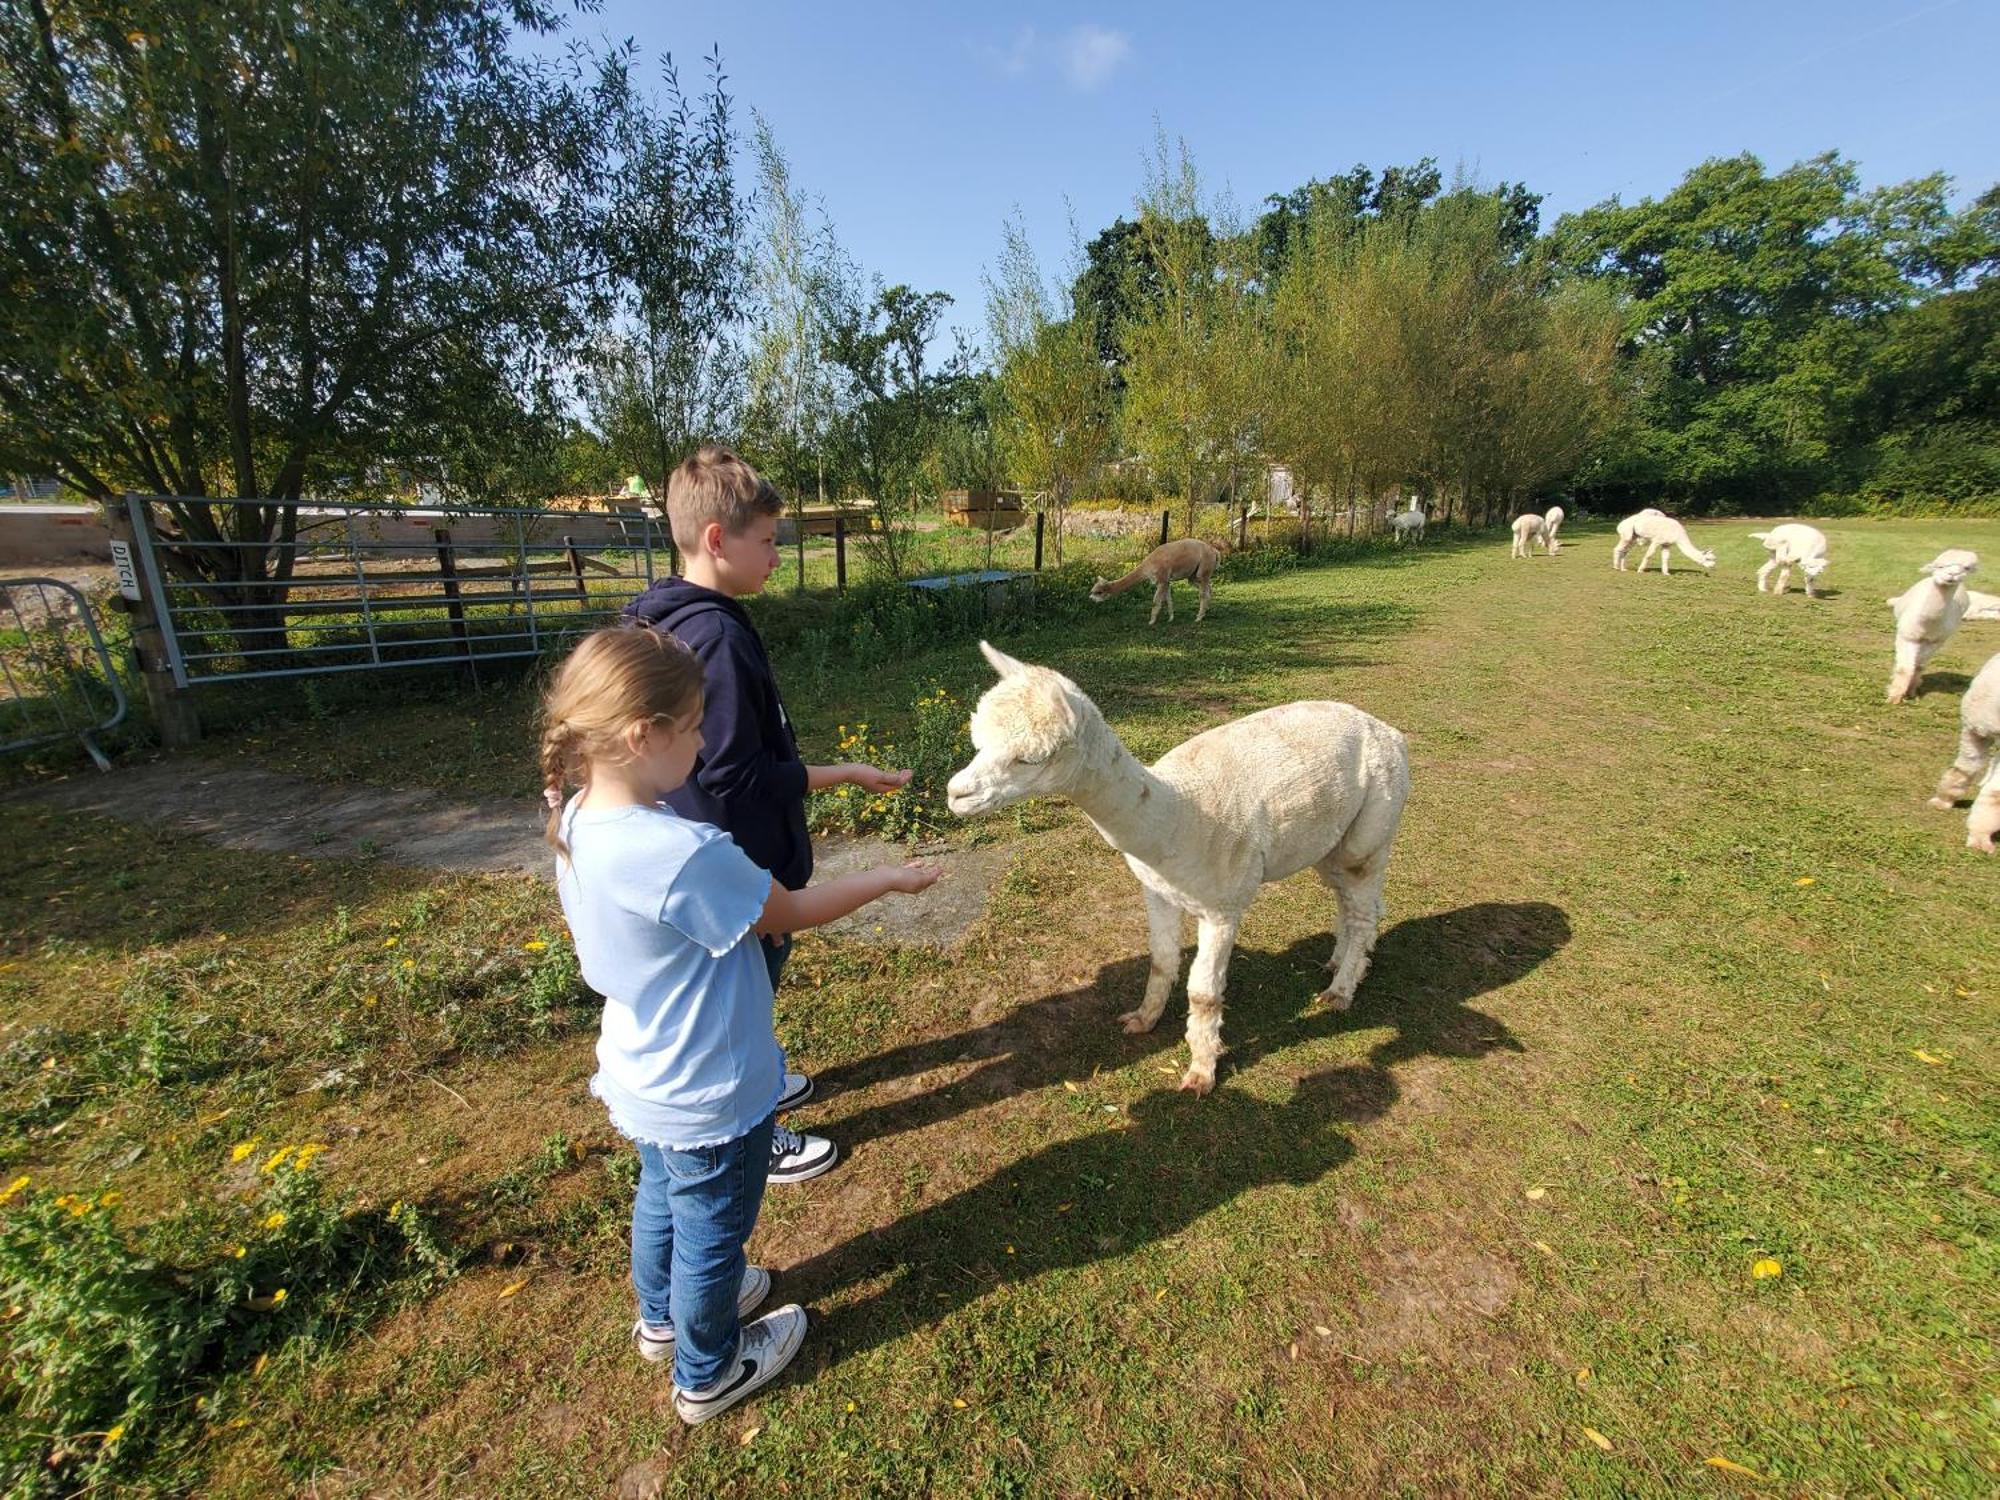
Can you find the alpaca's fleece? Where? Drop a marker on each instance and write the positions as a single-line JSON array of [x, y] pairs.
[[1789, 545], [1927, 614], [1255, 800], [1530, 529], [1976, 772], [1662, 534]]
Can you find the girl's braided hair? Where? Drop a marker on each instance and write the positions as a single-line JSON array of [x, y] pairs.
[[615, 679]]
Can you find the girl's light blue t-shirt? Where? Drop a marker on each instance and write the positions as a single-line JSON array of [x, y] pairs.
[[661, 910]]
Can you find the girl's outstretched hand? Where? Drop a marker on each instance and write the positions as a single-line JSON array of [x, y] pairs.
[[913, 877], [875, 779]]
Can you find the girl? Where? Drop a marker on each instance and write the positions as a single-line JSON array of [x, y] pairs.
[[666, 915]]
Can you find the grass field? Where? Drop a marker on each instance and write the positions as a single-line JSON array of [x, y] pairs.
[[1662, 1133]]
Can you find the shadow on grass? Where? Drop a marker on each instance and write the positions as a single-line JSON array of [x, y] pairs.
[[1180, 1158]]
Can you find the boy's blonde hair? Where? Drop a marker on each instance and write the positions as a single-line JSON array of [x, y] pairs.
[[713, 484], [615, 678]]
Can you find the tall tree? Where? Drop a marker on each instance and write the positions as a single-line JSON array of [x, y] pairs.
[[248, 243], [1053, 409]]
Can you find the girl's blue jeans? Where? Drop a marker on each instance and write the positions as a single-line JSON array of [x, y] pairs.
[[690, 1219]]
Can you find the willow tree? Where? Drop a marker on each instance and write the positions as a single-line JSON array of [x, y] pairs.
[[1054, 416], [253, 245]]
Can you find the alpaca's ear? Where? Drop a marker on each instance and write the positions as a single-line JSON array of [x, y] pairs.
[[1001, 662]]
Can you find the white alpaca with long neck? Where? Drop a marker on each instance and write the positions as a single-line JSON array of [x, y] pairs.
[[1189, 558], [1662, 534], [1306, 785], [1976, 772], [1792, 544], [1530, 529], [1927, 614], [1408, 523], [1552, 520]]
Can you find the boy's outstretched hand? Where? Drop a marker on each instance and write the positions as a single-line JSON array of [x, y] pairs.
[[875, 779], [913, 877]]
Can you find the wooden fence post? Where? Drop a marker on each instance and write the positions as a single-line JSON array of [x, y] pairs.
[[1243, 528], [1166, 516], [455, 611], [840, 554], [576, 571], [1040, 517], [172, 707]]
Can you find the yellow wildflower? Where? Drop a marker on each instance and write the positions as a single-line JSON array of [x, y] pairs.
[[275, 1219], [306, 1153], [111, 1200], [390, 942], [243, 1149], [277, 1296], [14, 1188], [237, 1253], [1764, 1268], [117, 1431], [277, 1159], [534, 945]]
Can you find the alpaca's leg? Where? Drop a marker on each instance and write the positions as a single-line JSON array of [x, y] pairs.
[[1618, 553], [1215, 941], [1162, 596], [1206, 585], [1809, 587], [1903, 680], [1955, 786], [1163, 925], [1359, 887], [1647, 560], [1764, 574]]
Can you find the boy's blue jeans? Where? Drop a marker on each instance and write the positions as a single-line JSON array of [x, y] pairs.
[[775, 956], [690, 1218]]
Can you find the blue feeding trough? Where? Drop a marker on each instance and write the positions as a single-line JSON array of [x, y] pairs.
[[999, 587]]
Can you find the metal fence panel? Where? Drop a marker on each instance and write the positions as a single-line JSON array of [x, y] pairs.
[[56, 677], [369, 587]]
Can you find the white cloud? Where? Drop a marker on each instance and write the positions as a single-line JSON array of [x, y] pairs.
[[1090, 54]]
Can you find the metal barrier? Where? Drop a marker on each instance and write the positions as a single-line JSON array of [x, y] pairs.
[[55, 668], [367, 587]]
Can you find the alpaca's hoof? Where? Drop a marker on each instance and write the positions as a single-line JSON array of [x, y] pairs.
[[1137, 1022], [1942, 804], [1198, 1081], [1334, 999]]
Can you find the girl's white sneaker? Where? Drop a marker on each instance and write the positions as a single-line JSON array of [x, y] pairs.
[[765, 1348]]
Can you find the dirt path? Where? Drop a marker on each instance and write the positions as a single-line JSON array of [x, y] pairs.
[[270, 813]]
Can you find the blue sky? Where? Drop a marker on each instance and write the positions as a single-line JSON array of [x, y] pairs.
[[921, 126]]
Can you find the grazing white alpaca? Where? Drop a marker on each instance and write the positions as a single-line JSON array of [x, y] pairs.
[[1530, 529], [1552, 520], [1662, 534], [1980, 606], [1789, 544], [1189, 558], [1976, 772], [1317, 785], [1408, 523], [1927, 612]]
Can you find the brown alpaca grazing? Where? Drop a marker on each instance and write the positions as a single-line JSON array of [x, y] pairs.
[[1189, 558]]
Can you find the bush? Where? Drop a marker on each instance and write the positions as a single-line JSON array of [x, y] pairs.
[[936, 746], [115, 1339]]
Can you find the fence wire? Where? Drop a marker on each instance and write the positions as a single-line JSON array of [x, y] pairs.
[[368, 587], [56, 677]]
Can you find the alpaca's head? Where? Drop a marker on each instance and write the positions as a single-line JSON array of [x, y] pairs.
[[1024, 737], [1812, 567], [1099, 592], [1706, 557], [1951, 567]]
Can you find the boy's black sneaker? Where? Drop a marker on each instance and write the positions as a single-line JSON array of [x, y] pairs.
[[765, 1348], [795, 1157]]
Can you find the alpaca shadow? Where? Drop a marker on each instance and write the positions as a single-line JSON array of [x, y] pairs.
[[1425, 971], [1178, 1158], [1941, 682]]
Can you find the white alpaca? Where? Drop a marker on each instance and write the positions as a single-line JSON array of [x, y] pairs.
[[1317, 785], [1408, 523], [1980, 606], [1976, 772], [1530, 529], [1927, 612], [1552, 520], [1791, 544], [1662, 534], [1189, 558]]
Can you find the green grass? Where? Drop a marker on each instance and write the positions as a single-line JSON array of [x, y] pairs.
[[1679, 975]]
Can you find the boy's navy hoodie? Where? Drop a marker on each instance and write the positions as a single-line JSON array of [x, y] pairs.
[[748, 779]]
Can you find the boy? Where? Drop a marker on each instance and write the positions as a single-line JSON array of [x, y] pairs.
[[748, 779]]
